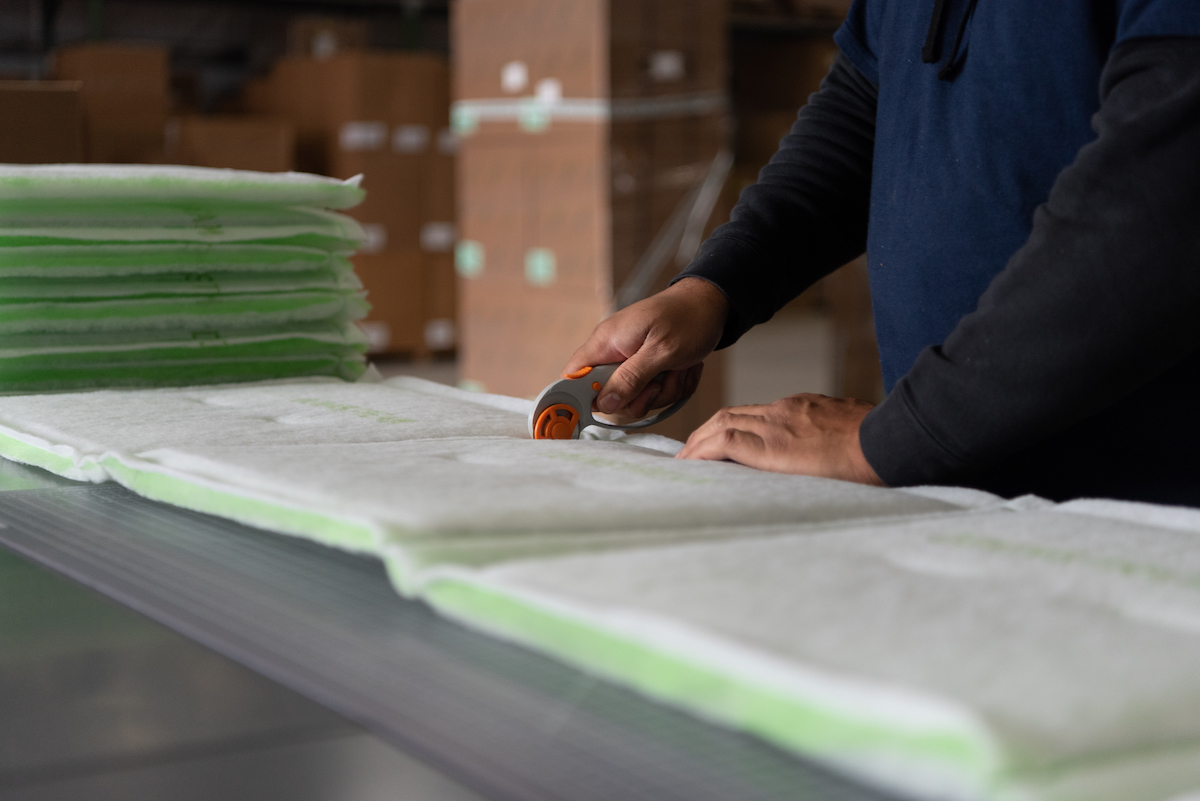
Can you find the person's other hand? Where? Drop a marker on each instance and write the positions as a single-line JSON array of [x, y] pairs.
[[669, 333], [810, 435]]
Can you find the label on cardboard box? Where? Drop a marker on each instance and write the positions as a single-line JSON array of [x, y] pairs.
[[549, 91], [514, 77], [358, 137], [534, 114], [447, 142], [468, 258], [438, 237], [376, 238], [541, 266], [378, 333], [410, 138], [440, 334], [667, 66]]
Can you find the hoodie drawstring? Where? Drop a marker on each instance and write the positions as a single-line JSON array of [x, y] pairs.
[[931, 51]]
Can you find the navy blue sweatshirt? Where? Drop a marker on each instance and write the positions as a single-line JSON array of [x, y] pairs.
[[1026, 185]]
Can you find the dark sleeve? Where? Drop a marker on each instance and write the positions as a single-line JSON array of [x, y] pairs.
[[807, 214], [1103, 297]]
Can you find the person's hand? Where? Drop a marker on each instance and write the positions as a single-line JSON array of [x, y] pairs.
[[810, 435], [668, 333]]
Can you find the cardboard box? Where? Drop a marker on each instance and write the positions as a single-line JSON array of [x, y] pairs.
[[556, 210], [322, 37], [847, 293], [439, 285], [265, 144], [778, 73], [107, 68], [829, 12], [41, 122], [384, 115], [393, 280], [393, 201], [588, 48], [759, 134], [125, 98], [357, 102], [515, 342]]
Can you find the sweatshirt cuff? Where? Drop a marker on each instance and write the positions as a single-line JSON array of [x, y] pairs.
[[900, 448], [724, 263]]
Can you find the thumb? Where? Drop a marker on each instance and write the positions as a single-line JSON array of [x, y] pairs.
[[629, 380]]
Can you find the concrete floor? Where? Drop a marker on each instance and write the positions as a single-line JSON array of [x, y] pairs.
[[99, 703]]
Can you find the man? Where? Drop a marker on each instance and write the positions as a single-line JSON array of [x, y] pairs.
[[1024, 177]]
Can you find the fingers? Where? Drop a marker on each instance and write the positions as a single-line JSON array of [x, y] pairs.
[[600, 348], [673, 330], [646, 400], [726, 444], [630, 379], [737, 416], [663, 390]]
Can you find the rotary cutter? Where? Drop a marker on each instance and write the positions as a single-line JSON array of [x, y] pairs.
[[565, 407]]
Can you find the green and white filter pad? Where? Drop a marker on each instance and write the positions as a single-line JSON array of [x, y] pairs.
[[144, 182], [940, 643], [195, 265]]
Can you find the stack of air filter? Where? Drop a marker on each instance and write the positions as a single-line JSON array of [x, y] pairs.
[[138, 276]]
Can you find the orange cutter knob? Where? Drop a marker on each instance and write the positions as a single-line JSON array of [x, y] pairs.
[[556, 422]]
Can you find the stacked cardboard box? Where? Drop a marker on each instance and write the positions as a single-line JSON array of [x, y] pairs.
[[323, 36], [586, 127], [126, 98], [239, 142], [41, 122], [810, 11], [384, 115]]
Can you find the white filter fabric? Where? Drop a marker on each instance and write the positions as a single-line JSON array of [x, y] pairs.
[[1067, 645], [942, 645], [172, 183], [413, 464]]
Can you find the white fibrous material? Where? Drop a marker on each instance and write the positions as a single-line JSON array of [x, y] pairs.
[[939, 643]]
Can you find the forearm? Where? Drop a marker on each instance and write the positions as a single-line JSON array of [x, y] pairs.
[[806, 215], [1101, 299]]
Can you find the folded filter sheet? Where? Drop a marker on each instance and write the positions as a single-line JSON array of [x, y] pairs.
[[941, 644], [201, 275]]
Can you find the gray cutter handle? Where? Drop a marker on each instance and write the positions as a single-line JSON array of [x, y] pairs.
[[579, 395], [649, 421]]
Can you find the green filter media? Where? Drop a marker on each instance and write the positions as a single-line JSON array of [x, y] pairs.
[[55, 363], [188, 371], [192, 283], [109, 259], [138, 342], [170, 223], [189, 313], [321, 241], [144, 182]]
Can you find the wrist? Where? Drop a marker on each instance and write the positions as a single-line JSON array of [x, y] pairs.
[[861, 466], [705, 295]]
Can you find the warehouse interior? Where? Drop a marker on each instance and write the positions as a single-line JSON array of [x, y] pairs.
[[530, 167], [138, 711]]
